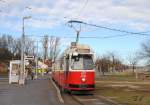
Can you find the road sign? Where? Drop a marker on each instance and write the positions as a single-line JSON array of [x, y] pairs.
[[29, 57]]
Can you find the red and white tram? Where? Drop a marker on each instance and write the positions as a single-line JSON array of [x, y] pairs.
[[74, 71]]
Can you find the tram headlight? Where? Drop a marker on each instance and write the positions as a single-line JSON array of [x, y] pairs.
[[83, 79]]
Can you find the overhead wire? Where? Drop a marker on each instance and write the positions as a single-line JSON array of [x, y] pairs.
[[83, 7], [79, 12], [86, 37], [108, 28], [113, 29]]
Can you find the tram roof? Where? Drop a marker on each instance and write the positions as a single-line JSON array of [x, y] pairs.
[[80, 48]]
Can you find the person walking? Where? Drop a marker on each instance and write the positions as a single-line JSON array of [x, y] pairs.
[[32, 75]]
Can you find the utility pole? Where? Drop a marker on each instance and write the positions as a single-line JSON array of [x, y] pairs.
[[22, 76], [45, 44], [36, 61]]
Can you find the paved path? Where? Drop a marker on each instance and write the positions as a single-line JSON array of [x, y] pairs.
[[35, 92], [38, 92]]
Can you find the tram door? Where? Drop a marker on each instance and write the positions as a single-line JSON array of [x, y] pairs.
[[66, 68]]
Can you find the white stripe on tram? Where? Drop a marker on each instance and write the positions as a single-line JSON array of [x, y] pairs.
[[82, 70]]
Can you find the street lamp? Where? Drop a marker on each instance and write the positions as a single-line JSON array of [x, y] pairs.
[[22, 78]]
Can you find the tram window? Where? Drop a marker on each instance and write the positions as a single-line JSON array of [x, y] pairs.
[[77, 64], [61, 64], [82, 62], [67, 64], [88, 62]]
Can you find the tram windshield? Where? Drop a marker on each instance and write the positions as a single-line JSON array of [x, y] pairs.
[[82, 62]]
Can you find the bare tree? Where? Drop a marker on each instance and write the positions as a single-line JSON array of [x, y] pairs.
[[3, 42], [8, 41], [45, 46], [5, 53], [103, 64], [109, 62], [133, 60], [116, 62], [17, 45], [51, 45], [145, 51], [13, 46], [54, 47], [29, 46]]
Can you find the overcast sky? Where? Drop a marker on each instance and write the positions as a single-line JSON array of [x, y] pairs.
[[50, 17]]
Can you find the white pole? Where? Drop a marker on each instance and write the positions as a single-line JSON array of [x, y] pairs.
[[36, 61], [22, 77]]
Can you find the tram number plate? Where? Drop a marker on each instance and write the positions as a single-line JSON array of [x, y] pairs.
[[83, 86]]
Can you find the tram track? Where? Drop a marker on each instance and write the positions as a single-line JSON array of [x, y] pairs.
[[89, 99], [85, 98]]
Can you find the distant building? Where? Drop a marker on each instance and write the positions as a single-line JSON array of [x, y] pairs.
[[48, 62]]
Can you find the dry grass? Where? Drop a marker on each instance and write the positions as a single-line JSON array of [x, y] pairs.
[[124, 89]]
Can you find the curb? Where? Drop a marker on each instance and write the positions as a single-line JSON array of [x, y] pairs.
[[58, 92]]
